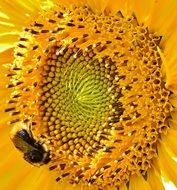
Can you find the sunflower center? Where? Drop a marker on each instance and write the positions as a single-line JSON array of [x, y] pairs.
[[79, 97], [94, 88]]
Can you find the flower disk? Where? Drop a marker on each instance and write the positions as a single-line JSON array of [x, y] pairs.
[[93, 86]]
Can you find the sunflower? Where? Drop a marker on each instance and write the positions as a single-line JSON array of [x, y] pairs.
[[95, 82]]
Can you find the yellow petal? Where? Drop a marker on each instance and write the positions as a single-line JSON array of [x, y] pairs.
[[9, 39], [167, 164], [21, 173], [173, 100], [138, 181], [17, 12], [14, 17], [142, 9], [123, 187], [154, 179], [115, 6], [6, 56], [170, 141], [97, 5], [157, 18], [174, 117]]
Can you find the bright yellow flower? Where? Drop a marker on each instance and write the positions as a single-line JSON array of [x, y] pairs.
[[95, 81]]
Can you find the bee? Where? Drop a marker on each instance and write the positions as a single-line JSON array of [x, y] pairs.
[[34, 151]]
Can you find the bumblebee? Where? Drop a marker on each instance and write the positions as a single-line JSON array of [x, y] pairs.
[[33, 150]]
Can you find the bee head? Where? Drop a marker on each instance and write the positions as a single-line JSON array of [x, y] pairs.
[[33, 156]]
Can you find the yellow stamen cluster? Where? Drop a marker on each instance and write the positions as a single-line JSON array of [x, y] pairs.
[[93, 86]]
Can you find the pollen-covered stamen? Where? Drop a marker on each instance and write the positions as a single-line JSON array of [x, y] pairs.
[[94, 84]]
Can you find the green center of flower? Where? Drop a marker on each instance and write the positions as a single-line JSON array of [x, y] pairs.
[[80, 97]]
